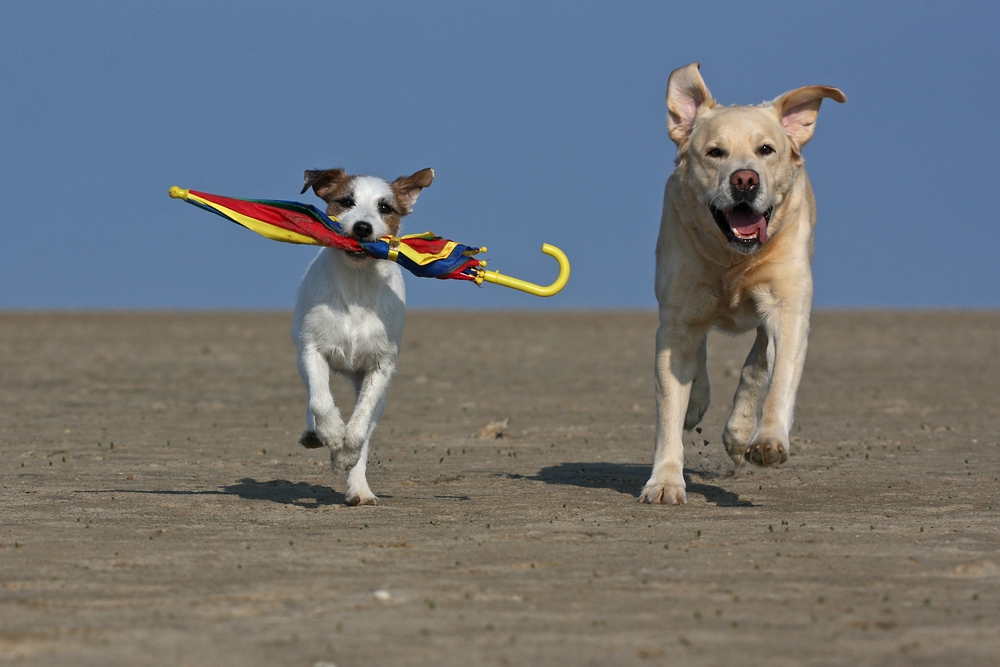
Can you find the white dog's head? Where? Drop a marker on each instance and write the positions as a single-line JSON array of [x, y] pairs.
[[366, 206], [740, 161]]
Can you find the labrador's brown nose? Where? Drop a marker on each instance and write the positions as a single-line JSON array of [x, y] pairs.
[[745, 180]]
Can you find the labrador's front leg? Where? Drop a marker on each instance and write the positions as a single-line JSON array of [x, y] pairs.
[[676, 365], [787, 328]]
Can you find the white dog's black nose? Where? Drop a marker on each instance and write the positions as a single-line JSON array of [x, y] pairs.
[[362, 230]]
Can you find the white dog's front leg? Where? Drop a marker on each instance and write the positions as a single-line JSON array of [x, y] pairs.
[[676, 365], [787, 329], [324, 425]]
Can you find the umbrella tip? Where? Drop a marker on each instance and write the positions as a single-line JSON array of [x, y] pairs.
[[178, 193]]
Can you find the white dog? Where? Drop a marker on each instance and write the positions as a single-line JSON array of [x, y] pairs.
[[734, 252], [349, 317]]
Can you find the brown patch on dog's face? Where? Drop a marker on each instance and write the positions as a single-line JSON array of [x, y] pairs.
[[407, 188], [390, 211], [323, 181]]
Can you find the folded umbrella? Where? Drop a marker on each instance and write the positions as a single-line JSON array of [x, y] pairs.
[[426, 255]]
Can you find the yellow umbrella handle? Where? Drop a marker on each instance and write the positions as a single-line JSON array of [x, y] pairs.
[[531, 288]]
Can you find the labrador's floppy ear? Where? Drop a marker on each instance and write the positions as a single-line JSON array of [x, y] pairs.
[[798, 109], [322, 182], [407, 188], [687, 94]]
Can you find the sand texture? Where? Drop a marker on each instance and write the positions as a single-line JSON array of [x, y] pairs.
[[156, 509]]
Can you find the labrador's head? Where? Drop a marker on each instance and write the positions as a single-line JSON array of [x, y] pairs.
[[740, 161]]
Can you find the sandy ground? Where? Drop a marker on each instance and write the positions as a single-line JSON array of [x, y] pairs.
[[158, 511]]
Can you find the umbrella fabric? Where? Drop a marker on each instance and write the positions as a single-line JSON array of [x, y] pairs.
[[426, 255]]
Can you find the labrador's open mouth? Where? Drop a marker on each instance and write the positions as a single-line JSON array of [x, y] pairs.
[[745, 229]]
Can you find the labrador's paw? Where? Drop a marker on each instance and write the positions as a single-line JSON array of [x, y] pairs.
[[657, 493], [766, 452], [361, 498]]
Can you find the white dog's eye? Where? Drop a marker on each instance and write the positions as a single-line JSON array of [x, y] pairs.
[[345, 202], [385, 209], [715, 152], [765, 149]]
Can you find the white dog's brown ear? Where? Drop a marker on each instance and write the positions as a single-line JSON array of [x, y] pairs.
[[323, 182], [798, 109], [686, 95], [407, 188]]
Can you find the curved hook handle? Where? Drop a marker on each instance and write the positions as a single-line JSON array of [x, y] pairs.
[[531, 288]]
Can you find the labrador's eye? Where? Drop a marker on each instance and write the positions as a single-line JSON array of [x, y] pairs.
[[765, 149], [715, 152], [345, 202], [384, 208]]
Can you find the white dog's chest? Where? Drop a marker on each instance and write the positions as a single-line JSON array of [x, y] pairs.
[[355, 340], [353, 318]]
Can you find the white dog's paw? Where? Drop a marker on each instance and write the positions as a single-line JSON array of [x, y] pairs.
[[767, 452], [657, 493], [323, 437], [316, 439], [361, 498], [343, 459], [310, 440]]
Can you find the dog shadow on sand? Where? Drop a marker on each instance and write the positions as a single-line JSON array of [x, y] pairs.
[[300, 494], [285, 492], [629, 478]]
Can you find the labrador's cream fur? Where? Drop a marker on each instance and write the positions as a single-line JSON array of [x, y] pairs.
[[734, 252]]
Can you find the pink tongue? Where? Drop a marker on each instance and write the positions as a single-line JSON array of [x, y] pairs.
[[747, 225]]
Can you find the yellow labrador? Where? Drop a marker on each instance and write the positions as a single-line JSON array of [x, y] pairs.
[[734, 252]]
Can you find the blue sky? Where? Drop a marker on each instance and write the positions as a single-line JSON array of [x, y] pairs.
[[543, 120]]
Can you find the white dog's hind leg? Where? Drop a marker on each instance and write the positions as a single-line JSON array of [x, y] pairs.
[[747, 401], [324, 425], [358, 491], [676, 365], [371, 391], [701, 393]]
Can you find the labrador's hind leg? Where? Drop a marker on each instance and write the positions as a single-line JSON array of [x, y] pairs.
[[701, 393], [748, 399]]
